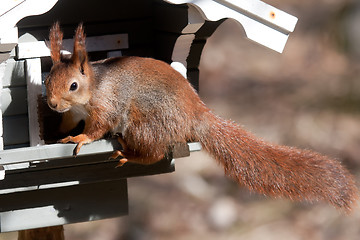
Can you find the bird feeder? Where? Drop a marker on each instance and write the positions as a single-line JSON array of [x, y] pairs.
[[42, 183]]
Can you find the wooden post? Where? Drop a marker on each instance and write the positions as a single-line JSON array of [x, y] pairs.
[[46, 233], [33, 80]]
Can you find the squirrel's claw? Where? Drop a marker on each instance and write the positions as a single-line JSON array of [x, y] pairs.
[[77, 148], [66, 140], [121, 162], [80, 139], [117, 154]]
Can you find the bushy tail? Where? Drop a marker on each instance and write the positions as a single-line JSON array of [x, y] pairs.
[[276, 170]]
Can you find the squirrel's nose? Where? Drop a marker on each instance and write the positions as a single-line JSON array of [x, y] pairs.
[[52, 104]]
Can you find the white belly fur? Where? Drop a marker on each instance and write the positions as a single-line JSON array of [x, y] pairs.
[[79, 113]]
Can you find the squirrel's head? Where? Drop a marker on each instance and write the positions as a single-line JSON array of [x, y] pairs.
[[70, 79]]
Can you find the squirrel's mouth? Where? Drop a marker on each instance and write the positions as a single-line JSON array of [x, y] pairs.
[[57, 106], [59, 110], [62, 110]]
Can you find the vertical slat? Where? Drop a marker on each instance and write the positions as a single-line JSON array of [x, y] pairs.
[[56, 233], [190, 21], [2, 74], [33, 80], [181, 52]]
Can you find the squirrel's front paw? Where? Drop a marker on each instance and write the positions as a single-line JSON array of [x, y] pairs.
[[80, 139]]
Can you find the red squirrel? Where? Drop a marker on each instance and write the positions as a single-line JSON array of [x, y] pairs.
[[151, 107]]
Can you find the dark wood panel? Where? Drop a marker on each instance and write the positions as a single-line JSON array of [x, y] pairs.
[[14, 101], [72, 12], [171, 17], [164, 45], [16, 130], [80, 203], [68, 170]]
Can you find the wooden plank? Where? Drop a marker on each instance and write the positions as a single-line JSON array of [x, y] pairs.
[[103, 170], [54, 151], [33, 50], [1, 131], [2, 73], [106, 42], [98, 43], [7, 47], [4, 56], [262, 23], [139, 30], [194, 146], [16, 166], [195, 20], [16, 130], [7, 5], [181, 48], [8, 39], [2, 172], [34, 89], [26, 8], [13, 101], [50, 207]]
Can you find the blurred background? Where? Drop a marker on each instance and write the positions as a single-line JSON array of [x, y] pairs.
[[308, 97]]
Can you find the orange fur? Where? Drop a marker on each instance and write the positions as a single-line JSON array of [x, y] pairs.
[[56, 37], [152, 107], [68, 122]]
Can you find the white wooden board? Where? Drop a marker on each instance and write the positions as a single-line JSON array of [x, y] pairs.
[[97, 43]]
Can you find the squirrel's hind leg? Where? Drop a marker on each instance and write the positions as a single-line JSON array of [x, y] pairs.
[[120, 153], [132, 156], [117, 154]]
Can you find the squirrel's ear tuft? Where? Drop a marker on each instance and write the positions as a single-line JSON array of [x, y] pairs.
[[79, 57], [55, 36]]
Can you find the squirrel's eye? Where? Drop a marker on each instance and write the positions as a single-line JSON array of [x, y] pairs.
[[73, 86]]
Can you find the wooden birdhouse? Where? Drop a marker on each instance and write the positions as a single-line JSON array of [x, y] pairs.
[[42, 184]]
